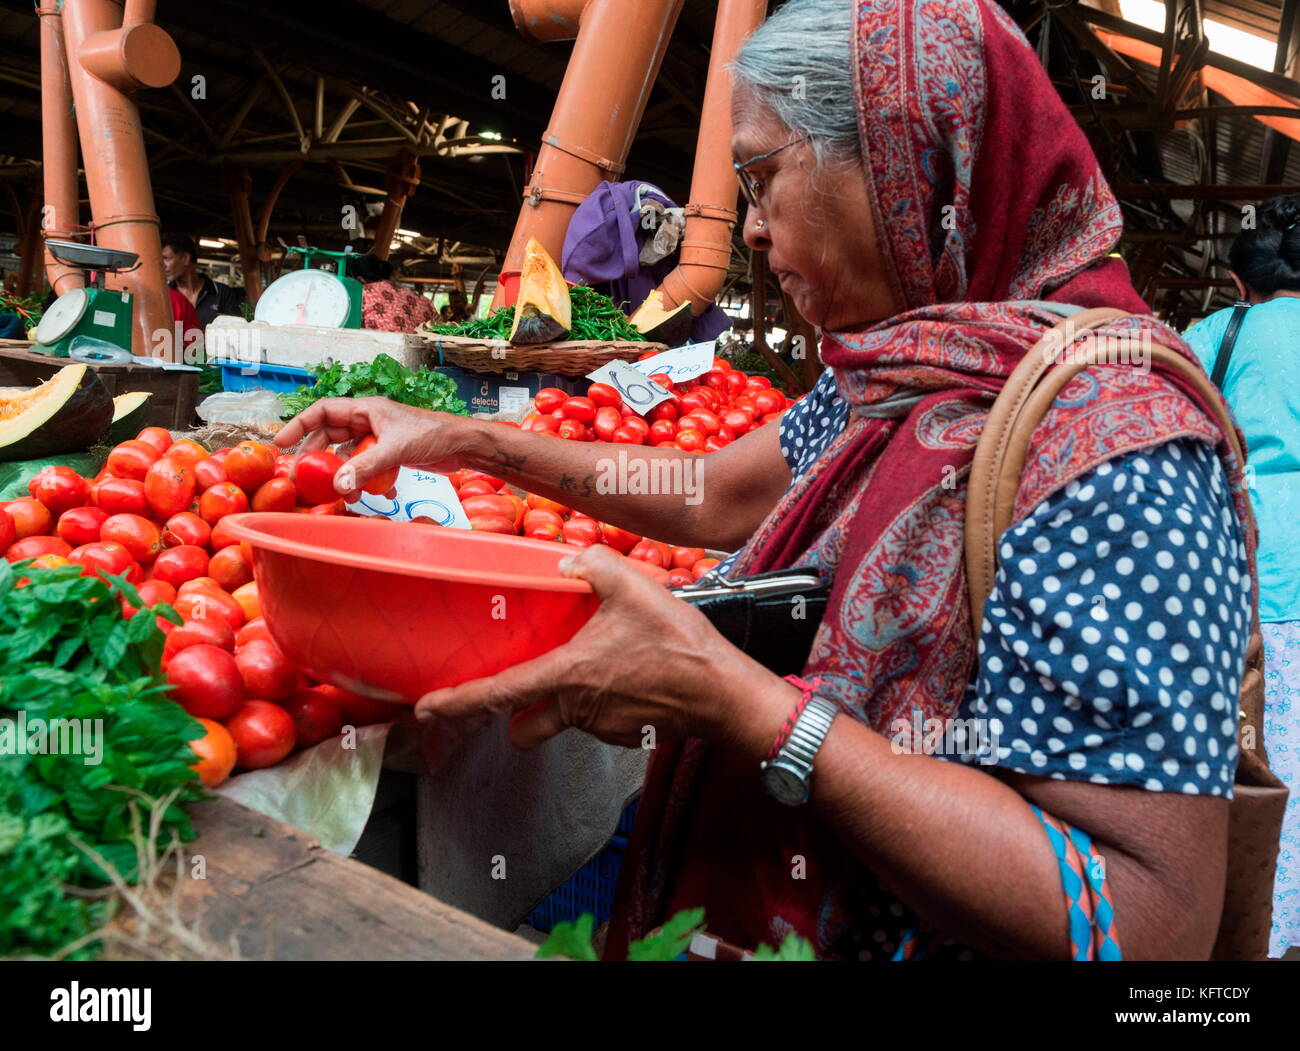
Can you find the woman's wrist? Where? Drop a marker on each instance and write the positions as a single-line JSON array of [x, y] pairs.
[[752, 706]]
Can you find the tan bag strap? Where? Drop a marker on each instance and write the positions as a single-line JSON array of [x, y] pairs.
[[1019, 409]]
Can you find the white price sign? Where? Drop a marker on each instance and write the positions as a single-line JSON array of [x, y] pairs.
[[417, 494], [682, 363], [639, 392]]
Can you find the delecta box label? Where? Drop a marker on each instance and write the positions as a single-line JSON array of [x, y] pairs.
[[417, 494]]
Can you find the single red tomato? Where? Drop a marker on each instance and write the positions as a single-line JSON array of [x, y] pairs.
[[120, 496], [690, 439], [627, 436], [608, 420], [210, 632], [334, 507], [216, 753], [663, 379], [250, 464], [277, 494], [132, 459], [36, 546], [208, 602], [224, 498], [715, 443], [757, 383], [735, 382], [494, 524], [254, 629], [542, 531], [665, 410], [59, 489], [703, 566], [540, 516], [581, 409], [637, 425], [619, 539], [315, 714], [176, 565], [220, 455], [284, 466], [738, 420], [209, 472], [104, 557], [383, 482], [229, 568], [186, 528], [685, 557], [604, 395], [545, 504], [159, 437], [30, 517], [187, 451], [769, 401], [155, 591], [141, 538], [548, 399], [708, 422], [221, 537], [582, 530], [662, 431], [264, 733], [680, 578], [491, 504], [8, 531], [314, 476], [169, 487], [205, 681], [573, 430], [81, 525], [267, 672]]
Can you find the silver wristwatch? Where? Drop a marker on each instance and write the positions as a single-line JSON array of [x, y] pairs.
[[788, 777]]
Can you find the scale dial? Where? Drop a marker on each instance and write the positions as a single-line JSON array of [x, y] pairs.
[[304, 297], [62, 317]]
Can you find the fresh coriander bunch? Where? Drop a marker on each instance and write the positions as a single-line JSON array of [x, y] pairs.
[[385, 377]]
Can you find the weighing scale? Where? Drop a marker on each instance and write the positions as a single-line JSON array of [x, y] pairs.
[[90, 324], [312, 296]]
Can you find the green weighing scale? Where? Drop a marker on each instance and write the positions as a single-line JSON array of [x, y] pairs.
[[312, 296], [94, 323]]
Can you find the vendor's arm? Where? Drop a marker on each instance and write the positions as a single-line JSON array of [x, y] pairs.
[[729, 494]]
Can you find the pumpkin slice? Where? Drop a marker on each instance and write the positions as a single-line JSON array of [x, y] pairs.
[[130, 415], [659, 324], [67, 413], [543, 309]]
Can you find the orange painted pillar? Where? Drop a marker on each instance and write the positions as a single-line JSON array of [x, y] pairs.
[[614, 64], [106, 62], [59, 217]]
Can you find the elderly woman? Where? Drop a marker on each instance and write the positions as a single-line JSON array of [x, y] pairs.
[[930, 205]]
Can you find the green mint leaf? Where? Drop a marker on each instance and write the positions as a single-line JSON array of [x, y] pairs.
[[671, 940], [570, 939]]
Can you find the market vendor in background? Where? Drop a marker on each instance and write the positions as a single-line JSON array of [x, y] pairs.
[[384, 306], [1258, 368], [1113, 730], [180, 256]]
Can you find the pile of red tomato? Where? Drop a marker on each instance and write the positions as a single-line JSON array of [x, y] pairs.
[[154, 514], [703, 416]]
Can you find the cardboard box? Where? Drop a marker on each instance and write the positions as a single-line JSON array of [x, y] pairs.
[[506, 394]]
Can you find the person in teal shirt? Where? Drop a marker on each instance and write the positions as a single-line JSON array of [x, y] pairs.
[[1262, 386]]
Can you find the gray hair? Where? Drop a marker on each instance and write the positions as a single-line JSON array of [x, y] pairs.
[[800, 64]]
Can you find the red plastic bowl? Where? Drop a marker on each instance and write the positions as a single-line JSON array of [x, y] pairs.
[[394, 611]]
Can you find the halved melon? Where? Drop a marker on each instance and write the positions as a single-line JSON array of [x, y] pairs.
[[130, 415], [543, 309], [69, 412], [659, 324]]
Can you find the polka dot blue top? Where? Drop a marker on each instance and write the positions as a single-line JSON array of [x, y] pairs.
[[1113, 639]]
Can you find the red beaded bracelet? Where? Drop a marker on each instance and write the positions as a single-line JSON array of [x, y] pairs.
[[806, 690]]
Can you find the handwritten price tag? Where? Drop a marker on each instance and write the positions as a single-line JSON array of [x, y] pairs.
[[639, 392], [682, 363], [417, 494]]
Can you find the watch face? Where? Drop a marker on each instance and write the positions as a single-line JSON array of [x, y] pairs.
[[784, 785]]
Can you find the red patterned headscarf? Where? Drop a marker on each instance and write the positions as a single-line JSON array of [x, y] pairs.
[[990, 206]]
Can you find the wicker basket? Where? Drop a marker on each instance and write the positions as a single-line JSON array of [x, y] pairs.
[[571, 358]]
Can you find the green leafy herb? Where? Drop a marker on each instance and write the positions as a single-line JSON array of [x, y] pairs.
[[570, 939], [794, 950], [595, 316], [670, 940], [385, 377], [72, 666]]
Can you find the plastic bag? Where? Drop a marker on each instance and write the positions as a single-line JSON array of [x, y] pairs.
[[244, 408], [14, 476]]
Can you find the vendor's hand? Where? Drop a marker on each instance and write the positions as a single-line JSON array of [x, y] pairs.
[[404, 435], [645, 659]]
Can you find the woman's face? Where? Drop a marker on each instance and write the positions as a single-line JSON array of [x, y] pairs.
[[817, 227]]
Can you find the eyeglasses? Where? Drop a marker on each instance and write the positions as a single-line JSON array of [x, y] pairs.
[[751, 186]]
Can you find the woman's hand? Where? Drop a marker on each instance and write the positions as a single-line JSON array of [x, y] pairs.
[[404, 435], [646, 667]]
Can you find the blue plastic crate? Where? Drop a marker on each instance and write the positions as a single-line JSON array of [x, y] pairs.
[[591, 888], [243, 375]]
